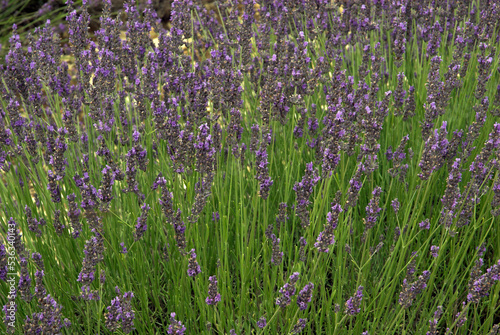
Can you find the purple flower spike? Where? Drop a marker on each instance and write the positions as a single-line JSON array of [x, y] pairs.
[[305, 296], [193, 267], [176, 327], [262, 322], [353, 303], [213, 295]]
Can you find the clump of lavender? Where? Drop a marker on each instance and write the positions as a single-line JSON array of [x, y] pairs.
[[58, 226], [435, 152], [262, 322], [74, 215], [254, 141], [124, 248], [451, 197], [141, 226], [24, 284], [299, 327], [495, 202], [480, 284], [205, 160], [302, 249], [213, 294], [434, 251], [395, 205], [105, 191], [263, 171], [426, 224], [373, 209], [120, 313], [180, 229], [305, 296], [353, 304], [398, 168], [33, 223], [176, 327], [326, 238], [355, 185], [304, 190], [166, 198], [277, 255], [39, 274], [234, 131], [412, 289], [94, 249], [48, 321], [461, 317], [193, 266], [287, 291], [282, 215], [433, 324]]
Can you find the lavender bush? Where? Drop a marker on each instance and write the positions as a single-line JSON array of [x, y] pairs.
[[267, 167]]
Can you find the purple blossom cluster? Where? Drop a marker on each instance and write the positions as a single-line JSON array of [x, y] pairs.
[[326, 238], [410, 290], [480, 284], [353, 304], [120, 313], [176, 327], [213, 294], [303, 190], [130, 108], [263, 172], [305, 295], [193, 268], [373, 210], [287, 291]]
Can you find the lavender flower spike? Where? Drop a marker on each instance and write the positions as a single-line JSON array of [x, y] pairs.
[[176, 327], [213, 295], [193, 267], [352, 304], [305, 296]]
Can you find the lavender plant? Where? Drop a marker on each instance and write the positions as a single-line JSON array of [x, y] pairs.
[[252, 169]]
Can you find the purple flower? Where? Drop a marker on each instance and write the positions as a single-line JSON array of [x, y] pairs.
[[124, 248], [373, 210], [480, 285], [141, 226], [263, 172], [193, 266], [395, 205], [304, 190], [287, 291], [305, 296], [353, 303], [411, 289], [326, 238], [425, 224], [176, 327], [213, 295], [277, 255], [434, 251], [433, 330], [262, 322], [299, 327], [215, 216]]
